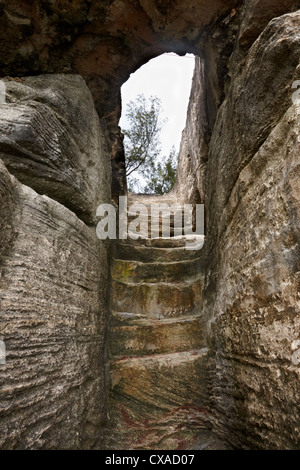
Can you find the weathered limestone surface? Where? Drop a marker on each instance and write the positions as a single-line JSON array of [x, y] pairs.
[[53, 317], [54, 270], [250, 185], [51, 139], [255, 314], [101, 41], [256, 15], [195, 137]]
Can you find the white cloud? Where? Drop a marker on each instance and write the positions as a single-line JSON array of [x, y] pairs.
[[168, 77]]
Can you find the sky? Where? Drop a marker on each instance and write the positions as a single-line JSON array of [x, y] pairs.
[[169, 77]]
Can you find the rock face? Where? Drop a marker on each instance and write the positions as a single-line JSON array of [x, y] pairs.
[[248, 174], [51, 139], [54, 276], [239, 156], [194, 143], [256, 306]]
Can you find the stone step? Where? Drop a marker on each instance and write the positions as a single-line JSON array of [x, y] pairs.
[[157, 300], [173, 208], [169, 242], [134, 271], [174, 212], [155, 232], [161, 223], [149, 218], [148, 254], [159, 402], [148, 199], [134, 335], [155, 220]]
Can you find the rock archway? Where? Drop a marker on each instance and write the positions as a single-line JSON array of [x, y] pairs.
[[106, 42]]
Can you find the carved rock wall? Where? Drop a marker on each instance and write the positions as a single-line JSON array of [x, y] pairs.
[[51, 139], [247, 173], [54, 270]]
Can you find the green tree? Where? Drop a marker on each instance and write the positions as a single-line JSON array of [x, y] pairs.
[[161, 176], [142, 147], [141, 139]]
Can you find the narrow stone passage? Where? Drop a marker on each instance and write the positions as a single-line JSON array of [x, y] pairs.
[[157, 346]]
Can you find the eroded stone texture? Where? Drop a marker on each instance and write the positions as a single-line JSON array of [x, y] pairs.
[[255, 17], [51, 139], [54, 270], [250, 297], [247, 175], [159, 401], [104, 42], [7, 208], [258, 98], [255, 314], [101, 41], [53, 316], [193, 152]]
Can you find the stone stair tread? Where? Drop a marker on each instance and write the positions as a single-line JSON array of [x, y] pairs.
[[147, 254], [136, 335], [171, 284], [178, 357], [133, 197], [183, 238], [138, 319], [175, 209], [156, 383], [154, 263], [158, 271], [166, 242], [157, 299]]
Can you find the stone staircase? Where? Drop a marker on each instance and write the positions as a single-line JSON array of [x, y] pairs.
[[157, 347]]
